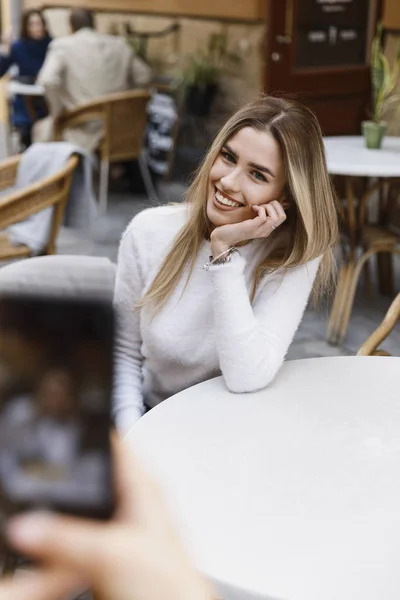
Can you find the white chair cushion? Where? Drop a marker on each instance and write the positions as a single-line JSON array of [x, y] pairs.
[[71, 276]]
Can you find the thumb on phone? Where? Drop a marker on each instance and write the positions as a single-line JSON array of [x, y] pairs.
[[53, 538], [41, 585]]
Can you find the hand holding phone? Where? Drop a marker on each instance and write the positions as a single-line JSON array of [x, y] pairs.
[[136, 556]]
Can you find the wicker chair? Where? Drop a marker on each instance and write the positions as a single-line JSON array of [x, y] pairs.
[[370, 347], [381, 240], [124, 117], [21, 204]]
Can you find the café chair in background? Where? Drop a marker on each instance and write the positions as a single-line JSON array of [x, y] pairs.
[[20, 204], [124, 119], [371, 346]]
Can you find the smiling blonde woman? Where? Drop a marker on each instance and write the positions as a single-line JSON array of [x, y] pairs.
[[218, 284]]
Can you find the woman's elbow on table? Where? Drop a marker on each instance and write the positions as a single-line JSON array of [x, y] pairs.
[[126, 415], [246, 381]]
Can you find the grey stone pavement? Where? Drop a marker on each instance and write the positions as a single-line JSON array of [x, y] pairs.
[[103, 237]]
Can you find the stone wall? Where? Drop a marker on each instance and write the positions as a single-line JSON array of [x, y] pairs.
[[167, 54], [393, 116]]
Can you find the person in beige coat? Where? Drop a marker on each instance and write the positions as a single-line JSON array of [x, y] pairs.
[[82, 67]]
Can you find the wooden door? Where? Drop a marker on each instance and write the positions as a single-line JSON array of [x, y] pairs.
[[318, 51]]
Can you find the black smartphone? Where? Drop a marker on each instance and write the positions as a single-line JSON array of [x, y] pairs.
[[56, 371]]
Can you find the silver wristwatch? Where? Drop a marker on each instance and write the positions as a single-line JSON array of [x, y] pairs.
[[221, 260]]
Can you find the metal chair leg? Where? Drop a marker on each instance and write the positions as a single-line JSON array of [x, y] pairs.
[[148, 182], [104, 174]]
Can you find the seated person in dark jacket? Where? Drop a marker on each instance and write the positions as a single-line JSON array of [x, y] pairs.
[[28, 54]]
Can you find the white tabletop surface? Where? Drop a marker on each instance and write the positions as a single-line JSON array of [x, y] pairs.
[[293, 492], [24, 89], [347, 155]]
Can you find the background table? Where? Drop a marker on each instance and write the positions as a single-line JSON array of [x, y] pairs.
[[379, 170], [34, 99], [24, 89], [347, 156], [292, 492]]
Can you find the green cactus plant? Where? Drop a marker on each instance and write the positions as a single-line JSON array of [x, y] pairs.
[[384, 77]]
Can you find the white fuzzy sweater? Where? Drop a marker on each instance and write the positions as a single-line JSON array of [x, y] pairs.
[[211, 328]]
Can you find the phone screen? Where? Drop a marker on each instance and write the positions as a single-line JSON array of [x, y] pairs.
[[56, 373]]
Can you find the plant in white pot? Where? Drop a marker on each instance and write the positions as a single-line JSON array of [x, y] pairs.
[[384, 79]]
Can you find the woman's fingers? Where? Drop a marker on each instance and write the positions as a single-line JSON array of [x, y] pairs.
[[262, 216], [280, 209], [273, 214], [39, 585], [136, 554], [73, 543], [276, 214], [269, 217], [57, 539]]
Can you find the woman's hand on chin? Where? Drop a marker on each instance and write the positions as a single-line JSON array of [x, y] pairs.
[[268, 217]]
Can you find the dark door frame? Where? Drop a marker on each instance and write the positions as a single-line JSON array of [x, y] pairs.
[[318, 84]]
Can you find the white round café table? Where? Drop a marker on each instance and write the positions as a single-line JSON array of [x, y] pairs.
[[347, 155], [290, 493]]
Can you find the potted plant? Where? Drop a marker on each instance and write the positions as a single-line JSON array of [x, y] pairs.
[[201, 74], [383, 81]]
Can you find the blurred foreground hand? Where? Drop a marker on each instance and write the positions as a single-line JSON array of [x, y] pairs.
[[136, 556]]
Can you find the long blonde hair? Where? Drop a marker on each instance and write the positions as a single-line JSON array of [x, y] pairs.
[[312, 218]]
